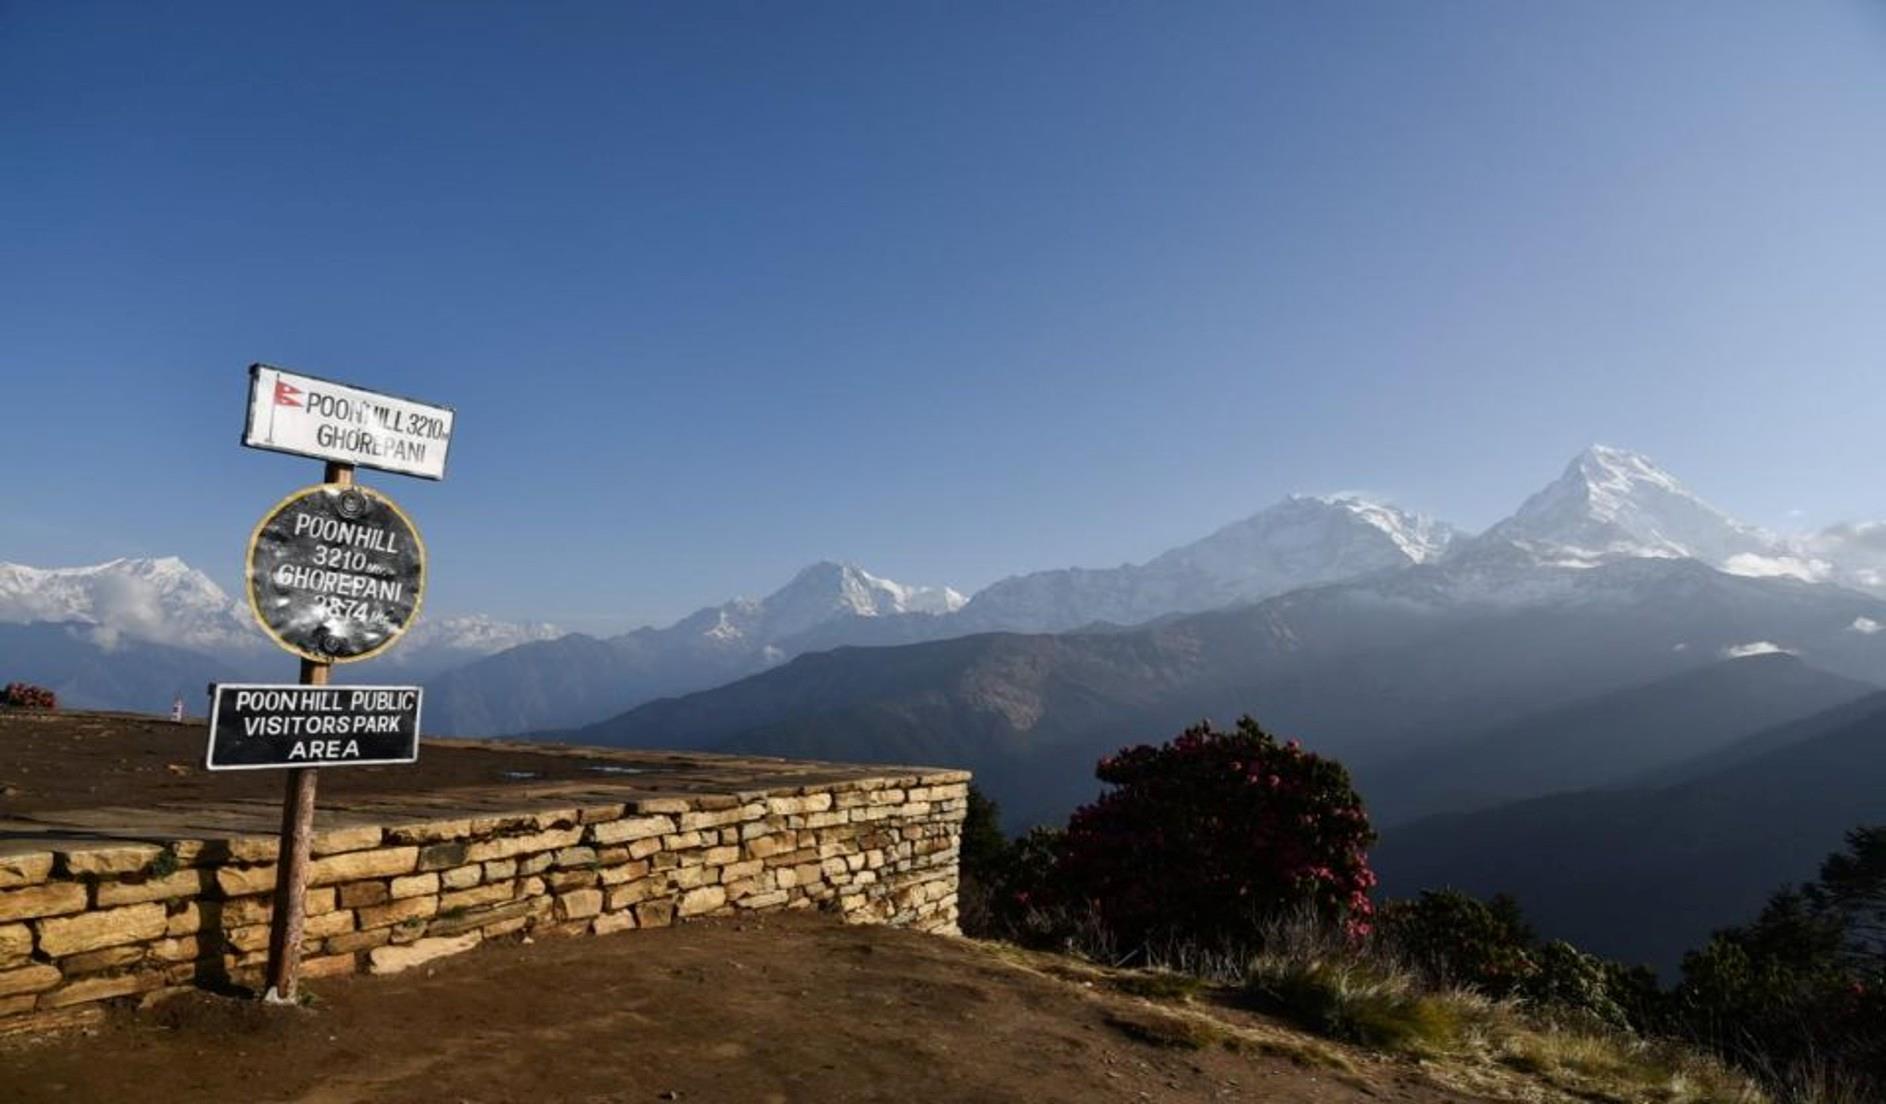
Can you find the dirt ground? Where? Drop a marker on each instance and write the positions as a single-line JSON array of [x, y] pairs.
[[786, 1009], [76, 760]]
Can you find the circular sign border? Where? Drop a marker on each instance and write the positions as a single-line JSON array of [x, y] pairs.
[[248, 574]]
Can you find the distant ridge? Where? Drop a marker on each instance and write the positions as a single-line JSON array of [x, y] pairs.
[[1643, 874], [1388, 666], [1300, 541], [1613, 739], [576, 679], [69, 659]]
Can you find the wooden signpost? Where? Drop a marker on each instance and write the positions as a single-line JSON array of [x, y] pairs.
[[336, 573]]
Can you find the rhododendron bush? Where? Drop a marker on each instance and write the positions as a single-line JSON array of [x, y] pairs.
[[1210, 835], [26, 695]]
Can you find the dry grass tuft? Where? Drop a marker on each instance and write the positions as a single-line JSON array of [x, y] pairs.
[[1616, 1067], [1356, 1003], [1162, 1030], [1161, 985], [1350, 1013]]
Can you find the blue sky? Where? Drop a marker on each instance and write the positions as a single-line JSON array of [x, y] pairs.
[[950, 290]]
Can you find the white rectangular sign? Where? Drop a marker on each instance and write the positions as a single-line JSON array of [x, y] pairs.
[[310, 416]]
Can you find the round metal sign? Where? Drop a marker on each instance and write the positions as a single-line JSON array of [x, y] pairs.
[[336, 573]]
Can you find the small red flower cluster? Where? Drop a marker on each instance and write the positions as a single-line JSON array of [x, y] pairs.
[[27, 696], [1215, 831]]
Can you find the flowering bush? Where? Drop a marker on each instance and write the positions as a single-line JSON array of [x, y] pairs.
[[1210, 835], [26, 695]]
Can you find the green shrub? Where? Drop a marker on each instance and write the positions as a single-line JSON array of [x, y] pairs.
[[1568, 978], [1799, 995], [1004, 885], [983, 867], [1452, 939], [1455, 939]]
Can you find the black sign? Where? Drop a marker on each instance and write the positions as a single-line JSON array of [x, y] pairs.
[[254, 727], [336, 573]]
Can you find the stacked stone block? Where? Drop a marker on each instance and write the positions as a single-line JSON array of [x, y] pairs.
[[82, 924]]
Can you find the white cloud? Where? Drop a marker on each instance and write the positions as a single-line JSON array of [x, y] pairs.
[[1855, 552], [1865, 534], [1754, 648], [126, 604], [1865, 626], [1791, 567]]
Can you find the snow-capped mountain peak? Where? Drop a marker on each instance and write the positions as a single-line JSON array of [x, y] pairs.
[[1307, 539], [166, 601], [160, 599], [827, 589], [68, 583], [477, 633], [1420, 538], [1612, 504], [1614, 473], [889, 596], [821, 593], [1304, 540]]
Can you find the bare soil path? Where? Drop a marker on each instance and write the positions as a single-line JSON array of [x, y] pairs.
[[786, 1009]]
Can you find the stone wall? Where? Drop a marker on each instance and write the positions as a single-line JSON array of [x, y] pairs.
[[90, 921]]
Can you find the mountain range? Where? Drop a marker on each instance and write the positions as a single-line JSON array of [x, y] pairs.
[[134, 633], [577, 678], [1298, 542], [1662, 714], [1302, 541], [1608, 505], [487, 677], [1395, 665], [162, 601], [1613, 647], [1611, 577]]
